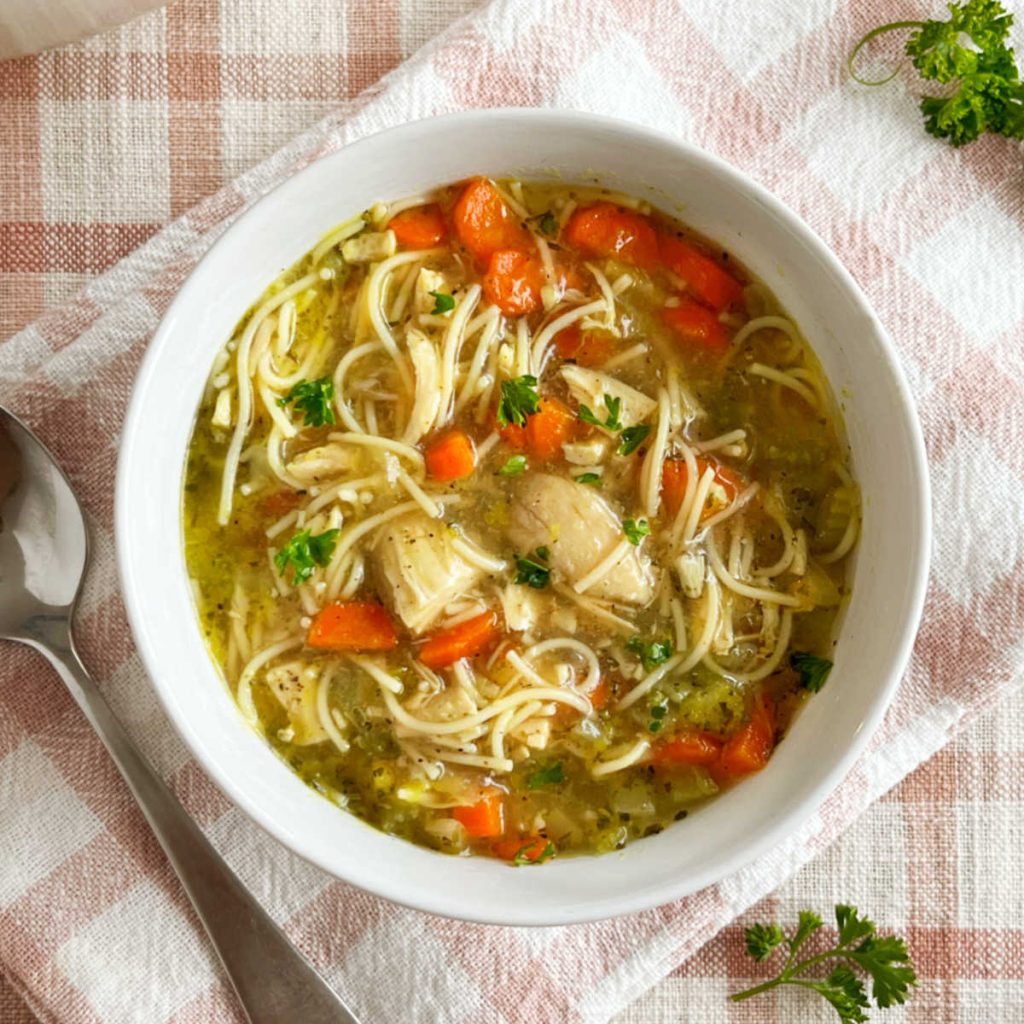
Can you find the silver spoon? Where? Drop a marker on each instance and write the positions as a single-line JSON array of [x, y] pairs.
[[44, 551]]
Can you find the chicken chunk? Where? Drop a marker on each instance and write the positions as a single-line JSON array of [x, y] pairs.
[[591, 388], [426, 362], [295, 686], [417, 569], [579, 529], [325, 462]]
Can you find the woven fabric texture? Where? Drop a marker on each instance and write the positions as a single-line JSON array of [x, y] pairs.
[[112, 139]]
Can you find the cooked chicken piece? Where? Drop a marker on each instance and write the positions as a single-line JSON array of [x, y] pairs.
[[417, 571], [325, 462], [451, 703], [426, 282], [295, 685], [521, 607], [369, 248], [585, 453], [427, 363], [535, 732], [589, 388], [579, 529], [222, 409]]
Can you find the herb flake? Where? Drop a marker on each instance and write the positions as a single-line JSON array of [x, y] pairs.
[[514, 465], [443, 302], [313, 398], [635, 530], [813, 670], [304, 552], [519, 399], [552, 775]]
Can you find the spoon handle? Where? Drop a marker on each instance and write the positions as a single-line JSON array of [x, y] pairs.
[[274, 982]]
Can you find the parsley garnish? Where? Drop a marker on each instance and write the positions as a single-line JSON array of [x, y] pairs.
[[813, 670], [884, 958], [548, 224], [550, 776], [443, 302], [969, 50], [651, 653], [632, 438], [514, 465], [522, 859], [519, 399], [532, 572], [304, 552], [611, 420], [593, 479], [313, 399], [635, 530]]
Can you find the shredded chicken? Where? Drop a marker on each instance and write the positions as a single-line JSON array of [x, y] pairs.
[[325, 462], [295, 684], [589, 387]]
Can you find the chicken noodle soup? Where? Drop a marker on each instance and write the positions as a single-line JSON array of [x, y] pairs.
[[518, 519]]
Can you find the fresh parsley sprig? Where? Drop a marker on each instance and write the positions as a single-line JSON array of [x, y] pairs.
[[533, 572], [635, 530], [650, 652], [883, 958], [514, 465], [443, 303], [313, 399], [304, 552], [552, 775], [813, 670], [519, 399], [611, 419], [970, 51], [633, 437]]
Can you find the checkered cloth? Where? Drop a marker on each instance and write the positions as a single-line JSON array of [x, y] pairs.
[[135, 128]]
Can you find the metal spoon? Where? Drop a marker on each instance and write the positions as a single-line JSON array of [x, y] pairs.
[[43, 555]]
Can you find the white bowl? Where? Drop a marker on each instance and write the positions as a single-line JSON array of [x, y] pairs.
[[888, 456]]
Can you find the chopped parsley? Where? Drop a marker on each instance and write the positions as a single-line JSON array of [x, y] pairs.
[[548, 224], [519, 399], [304, 552], [635, 530], [594, 479], [523, 856], [550, 776], [313, 399], [651, 653], [611, 420], [533, 572], [443, 302], [514, 465], [632, 438], [813, 670]]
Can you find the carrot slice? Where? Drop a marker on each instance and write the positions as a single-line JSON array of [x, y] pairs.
[[697, 325], [451, 456], [484, 223], [520, 848], [353, 626], [747, 750], [590, 349], [419, 227], [713, 285], [675, 476], [513, 281], [545, 431], [600, 695], [689, 747], [612, 232], [484, 819], [466, 640]]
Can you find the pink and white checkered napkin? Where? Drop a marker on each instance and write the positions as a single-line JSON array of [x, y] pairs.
[[93, 927]]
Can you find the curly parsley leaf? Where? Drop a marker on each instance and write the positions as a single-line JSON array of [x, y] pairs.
[[882, 958], [552, 775], [443, 302], [304, 552], [611, 420], [813, 670], [632, 438], [532, 572], [635, 530], [650, 652], [519, 399], [514, 465], [313, 398]]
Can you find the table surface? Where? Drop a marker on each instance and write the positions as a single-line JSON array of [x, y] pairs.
[[929, 861]]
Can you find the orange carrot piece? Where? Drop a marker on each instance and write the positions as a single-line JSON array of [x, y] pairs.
[[747, 750], [689, 747], [513, 281], [484, 819], [569, 275], [451, 456], [280, 502], [600, 695], [419, 227], [591, 349], [484, 223], [712, 284], [612, 232], [674, 478], [545, 431], [466, 640], [697, 325], [353, 626], [520, 848]]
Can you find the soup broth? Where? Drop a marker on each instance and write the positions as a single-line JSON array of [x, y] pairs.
[[518, 519]]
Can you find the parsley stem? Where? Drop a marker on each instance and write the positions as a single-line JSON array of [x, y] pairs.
[[790, 974], [747, 993], [892, 26]]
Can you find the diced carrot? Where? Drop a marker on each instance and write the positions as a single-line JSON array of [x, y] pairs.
[[281, 502], [353, 626], [747, 750], [466, 640], [697, 325], [485, 224], [569, 275], [545, 431], [451, 456], [484, 819], [674, 478], [520, 848], [586, 349], [513, 281], [600, 695], [713, 285], [612, 232], [689, 747], [419, 227]]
